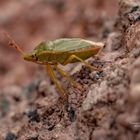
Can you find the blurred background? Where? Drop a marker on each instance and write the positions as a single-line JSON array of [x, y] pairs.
[[31, 21]]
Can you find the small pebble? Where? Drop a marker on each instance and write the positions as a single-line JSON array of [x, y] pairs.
[[33, 115], [10, 136]]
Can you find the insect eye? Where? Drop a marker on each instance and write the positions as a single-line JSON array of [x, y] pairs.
[[33, 56]]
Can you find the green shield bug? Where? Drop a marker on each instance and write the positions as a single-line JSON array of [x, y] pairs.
[[61, 51]]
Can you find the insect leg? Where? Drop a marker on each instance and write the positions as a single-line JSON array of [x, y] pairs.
[[53, 77], [67, 76], [81, 60]]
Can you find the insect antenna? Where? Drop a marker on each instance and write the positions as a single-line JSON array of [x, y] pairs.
[[12, 43]]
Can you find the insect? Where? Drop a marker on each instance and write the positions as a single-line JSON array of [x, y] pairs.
[[61, 51]]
